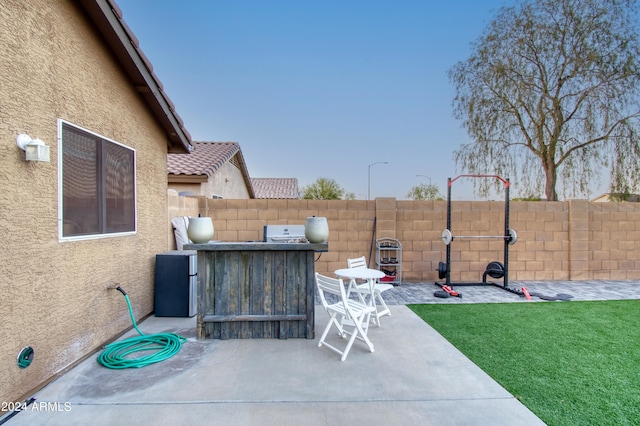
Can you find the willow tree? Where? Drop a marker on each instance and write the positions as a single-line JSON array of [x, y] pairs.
[[551, 95]]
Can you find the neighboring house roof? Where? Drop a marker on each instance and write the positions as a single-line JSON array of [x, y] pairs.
[[107, 17], [275, 187], [205, 159]]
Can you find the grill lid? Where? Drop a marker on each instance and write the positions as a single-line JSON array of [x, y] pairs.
[[284, 234]]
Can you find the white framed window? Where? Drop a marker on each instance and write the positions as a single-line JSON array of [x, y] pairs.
[[97, 185]]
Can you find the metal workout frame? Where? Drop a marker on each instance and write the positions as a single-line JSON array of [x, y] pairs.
[[509, 238]]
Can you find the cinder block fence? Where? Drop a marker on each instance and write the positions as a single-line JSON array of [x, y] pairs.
[[571, 240]]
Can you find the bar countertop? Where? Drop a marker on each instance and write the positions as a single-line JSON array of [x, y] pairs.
[[256, 245]]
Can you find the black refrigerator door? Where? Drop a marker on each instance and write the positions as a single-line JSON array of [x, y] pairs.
[[175, 282]]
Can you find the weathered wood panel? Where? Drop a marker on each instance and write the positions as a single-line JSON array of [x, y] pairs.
[[256, 290]]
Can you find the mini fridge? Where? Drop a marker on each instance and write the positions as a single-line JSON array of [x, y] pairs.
[[176, 284]]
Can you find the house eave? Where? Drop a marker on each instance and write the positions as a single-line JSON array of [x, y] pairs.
[[172, 178], [245, 174], [108, 20]]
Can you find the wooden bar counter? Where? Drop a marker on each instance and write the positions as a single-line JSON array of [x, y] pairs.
[[256, 290]]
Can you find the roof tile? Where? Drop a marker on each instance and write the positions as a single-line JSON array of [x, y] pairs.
[[275, 187], [205, 159]]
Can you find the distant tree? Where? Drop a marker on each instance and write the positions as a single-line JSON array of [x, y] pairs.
[[616, 197], [349, 196], [324, 189], [424, 192], [551, 95]]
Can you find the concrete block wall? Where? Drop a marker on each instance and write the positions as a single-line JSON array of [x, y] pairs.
[[179, 206], [572, 240], [614, 243]]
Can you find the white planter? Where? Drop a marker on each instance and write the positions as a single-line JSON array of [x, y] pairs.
[[200, 229], [316, 229]]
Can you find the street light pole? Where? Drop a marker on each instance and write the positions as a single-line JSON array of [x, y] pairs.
[[369, 177], [426, 177]]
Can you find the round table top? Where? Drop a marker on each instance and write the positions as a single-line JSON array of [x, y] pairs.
[[359, 273]]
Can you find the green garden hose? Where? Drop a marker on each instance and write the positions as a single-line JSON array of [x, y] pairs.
[[25, 357], [161, 346]]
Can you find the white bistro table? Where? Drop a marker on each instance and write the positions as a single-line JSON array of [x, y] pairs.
[[368, 274]]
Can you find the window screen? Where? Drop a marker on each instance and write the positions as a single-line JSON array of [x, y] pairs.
[[98, 184]]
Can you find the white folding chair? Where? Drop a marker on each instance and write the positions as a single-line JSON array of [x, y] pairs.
[[342, 313], [180, 225], [363, 289]]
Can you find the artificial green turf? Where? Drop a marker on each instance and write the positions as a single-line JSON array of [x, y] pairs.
[[571, 363]]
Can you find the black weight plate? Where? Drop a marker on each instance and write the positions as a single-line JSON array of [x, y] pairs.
[[441, 293], [495, 269], [442, 270]]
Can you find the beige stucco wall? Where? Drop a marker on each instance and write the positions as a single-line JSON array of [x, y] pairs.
[[227, 182], [573, 240], [54, 295]]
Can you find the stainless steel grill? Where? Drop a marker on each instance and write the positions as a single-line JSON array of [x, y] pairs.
[[284, 234]]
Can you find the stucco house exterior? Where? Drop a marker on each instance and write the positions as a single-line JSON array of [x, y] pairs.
[[218, 170], [212, 169], [93, 216]]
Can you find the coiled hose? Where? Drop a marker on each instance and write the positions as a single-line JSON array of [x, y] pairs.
[[162, 346]]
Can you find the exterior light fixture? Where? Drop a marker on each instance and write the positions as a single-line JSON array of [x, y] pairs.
[[35, 149]]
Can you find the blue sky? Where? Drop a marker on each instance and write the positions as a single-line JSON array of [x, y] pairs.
[[315, 89]]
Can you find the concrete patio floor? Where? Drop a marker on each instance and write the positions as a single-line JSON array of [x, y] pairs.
[[414, 377]]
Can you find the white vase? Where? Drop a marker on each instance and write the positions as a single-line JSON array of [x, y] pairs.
[[200, 229], [316, 230]]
